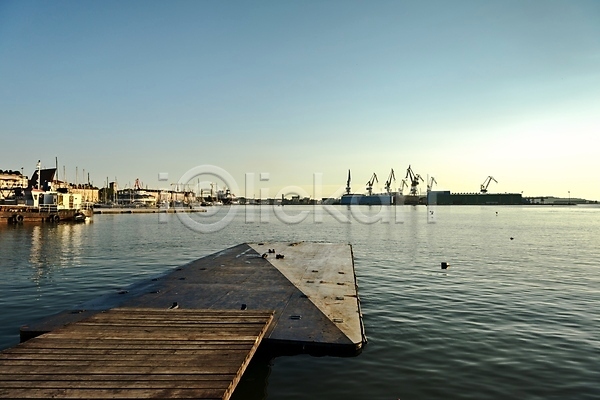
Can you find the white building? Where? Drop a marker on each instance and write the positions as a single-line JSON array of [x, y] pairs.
[[11, 180]]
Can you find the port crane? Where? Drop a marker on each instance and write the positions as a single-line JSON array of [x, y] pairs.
[[486, 183], [414, 181], [430, 184], [348, 184], [402, 186], [388, 183], [370, 183]]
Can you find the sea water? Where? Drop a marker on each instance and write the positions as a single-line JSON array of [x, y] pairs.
[[517, 314]]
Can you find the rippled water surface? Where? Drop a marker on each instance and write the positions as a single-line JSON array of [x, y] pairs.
[[511, 318]]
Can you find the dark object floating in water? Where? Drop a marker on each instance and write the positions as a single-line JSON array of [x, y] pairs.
[[445, 265], [511, 238]]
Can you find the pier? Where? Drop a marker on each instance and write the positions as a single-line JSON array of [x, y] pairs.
[[146, 210], [291, 297], [136, 353]]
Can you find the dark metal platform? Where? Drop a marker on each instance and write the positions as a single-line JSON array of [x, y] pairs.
[[312, 290]]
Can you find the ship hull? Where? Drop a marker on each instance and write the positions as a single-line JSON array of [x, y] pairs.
[[19, 214], [366, 200]]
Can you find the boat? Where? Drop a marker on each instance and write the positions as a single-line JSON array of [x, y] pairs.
[[48, 206], [39, 202]]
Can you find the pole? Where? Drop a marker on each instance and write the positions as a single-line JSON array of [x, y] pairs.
[[39, 168]]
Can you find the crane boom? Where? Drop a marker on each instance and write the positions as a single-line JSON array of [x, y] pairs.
[[430, 184], [414, 181], [402, 186], [348, 184], [388, 183], [486, 183], [370, 183]]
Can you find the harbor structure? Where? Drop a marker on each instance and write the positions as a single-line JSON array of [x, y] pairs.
[[311, 287], [445, 197], [432, 197], [137, 353], [192, 331], [553, 200], [370, 198], [43, 201]]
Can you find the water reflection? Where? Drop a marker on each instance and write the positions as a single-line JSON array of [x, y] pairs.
[[49, 247]]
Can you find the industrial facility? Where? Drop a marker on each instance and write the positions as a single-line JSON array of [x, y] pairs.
[[412, 180]]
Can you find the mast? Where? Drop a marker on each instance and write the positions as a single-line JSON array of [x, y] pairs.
[[39, 168], [348, 189]]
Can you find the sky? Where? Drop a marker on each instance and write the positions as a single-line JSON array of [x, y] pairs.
[[303, 91]]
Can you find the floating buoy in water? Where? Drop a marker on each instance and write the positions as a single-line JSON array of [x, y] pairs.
[[445, 265]]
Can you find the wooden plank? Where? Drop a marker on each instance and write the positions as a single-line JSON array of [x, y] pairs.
[[98, 378], [169, 393], [49, 354], [137, 353], [77, 383], [119, 345]]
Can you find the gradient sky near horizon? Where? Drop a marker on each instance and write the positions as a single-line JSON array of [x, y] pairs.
[[459, 90]]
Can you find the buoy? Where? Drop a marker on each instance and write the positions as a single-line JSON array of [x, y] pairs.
[[444, 265]]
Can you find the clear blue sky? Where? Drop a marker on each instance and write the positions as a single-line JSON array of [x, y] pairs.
[[458, 89]]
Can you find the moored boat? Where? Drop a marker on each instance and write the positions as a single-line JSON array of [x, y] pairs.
[[63, 207], [39, 202]]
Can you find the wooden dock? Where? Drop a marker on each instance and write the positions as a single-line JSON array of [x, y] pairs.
[[191, 332], [312, 290], [137, 353]]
